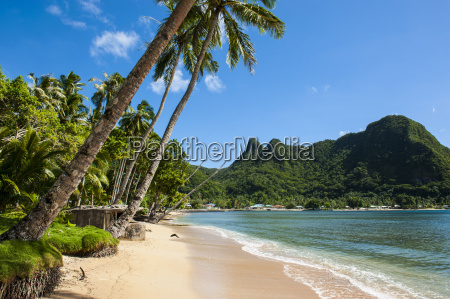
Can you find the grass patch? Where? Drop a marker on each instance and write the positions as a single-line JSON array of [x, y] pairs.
[[22, 259], [74, 240], [67, 238]]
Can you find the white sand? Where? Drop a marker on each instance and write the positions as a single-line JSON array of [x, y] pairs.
[[155, 268]]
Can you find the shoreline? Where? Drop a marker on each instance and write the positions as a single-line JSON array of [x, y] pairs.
[[199, 264], [302, 210], [221, 269]]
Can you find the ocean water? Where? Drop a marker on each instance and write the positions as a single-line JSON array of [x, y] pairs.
[[347, 254]]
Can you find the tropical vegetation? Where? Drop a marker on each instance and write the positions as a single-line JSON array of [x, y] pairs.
[[395, 161]]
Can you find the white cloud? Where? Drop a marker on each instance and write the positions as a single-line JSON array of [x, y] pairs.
[[214, 84], [158, 86], [434, 109], [314, 89], [178, 84], [91, 6], [116, 43], [326, 87], [342, 133], [54, 10], [74, 24]]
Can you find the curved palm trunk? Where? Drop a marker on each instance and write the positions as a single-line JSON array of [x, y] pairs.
[[118, 227], [131, 163], [155, 206], [34, 225], [187, 195]]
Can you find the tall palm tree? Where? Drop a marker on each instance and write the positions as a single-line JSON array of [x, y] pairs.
[[72, 108], [134, 123], [34, 225], [240, 46], [61, 95], [106, 90], [182, 43], [95, 178], [47, 89]]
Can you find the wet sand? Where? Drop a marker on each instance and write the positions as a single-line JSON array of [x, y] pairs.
[[221, 269]]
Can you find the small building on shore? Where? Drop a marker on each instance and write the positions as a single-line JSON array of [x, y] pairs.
[[278, 207], [209, 206], [101, 216], [257, 207]]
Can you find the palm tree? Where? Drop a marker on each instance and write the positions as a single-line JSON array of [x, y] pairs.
[[34, 225], [61, 95], [106, 90], [95, 179], [239, 47], [47, 90], [135, 123], [72, 108], [166, 66], [26, 165]]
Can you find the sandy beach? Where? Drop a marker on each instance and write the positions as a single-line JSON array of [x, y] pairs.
[[156, 267], [196, 265]]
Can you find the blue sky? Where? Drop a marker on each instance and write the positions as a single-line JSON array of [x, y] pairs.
[[341, 65]]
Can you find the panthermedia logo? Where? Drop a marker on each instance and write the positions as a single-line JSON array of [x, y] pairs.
[[239, 149]]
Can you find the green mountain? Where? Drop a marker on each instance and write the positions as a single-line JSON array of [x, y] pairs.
[[394, 161]]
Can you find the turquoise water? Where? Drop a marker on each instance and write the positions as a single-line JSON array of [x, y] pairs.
[[380, 254]]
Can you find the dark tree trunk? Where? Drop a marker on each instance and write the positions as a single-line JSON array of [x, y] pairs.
[[118, 227], [132, 162], [34, 225], [154, 208]]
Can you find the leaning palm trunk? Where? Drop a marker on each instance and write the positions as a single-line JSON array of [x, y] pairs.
[[34, 225], [155, 207], [132, 162], [118, 227], [117, 180], [187, 195], [192, 174], [129, 186]]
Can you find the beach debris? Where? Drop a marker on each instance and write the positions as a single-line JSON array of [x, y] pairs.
[[83, 276], [174, 235]]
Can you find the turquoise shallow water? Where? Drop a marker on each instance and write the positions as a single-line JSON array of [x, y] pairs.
[[381, 254]]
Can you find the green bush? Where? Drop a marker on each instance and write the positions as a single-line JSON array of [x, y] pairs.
[[9, 219]]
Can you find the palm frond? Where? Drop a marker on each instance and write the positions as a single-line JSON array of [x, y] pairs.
[[239, 45], [255, 15]]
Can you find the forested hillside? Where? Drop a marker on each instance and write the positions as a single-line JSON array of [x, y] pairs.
[[394, 161]]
